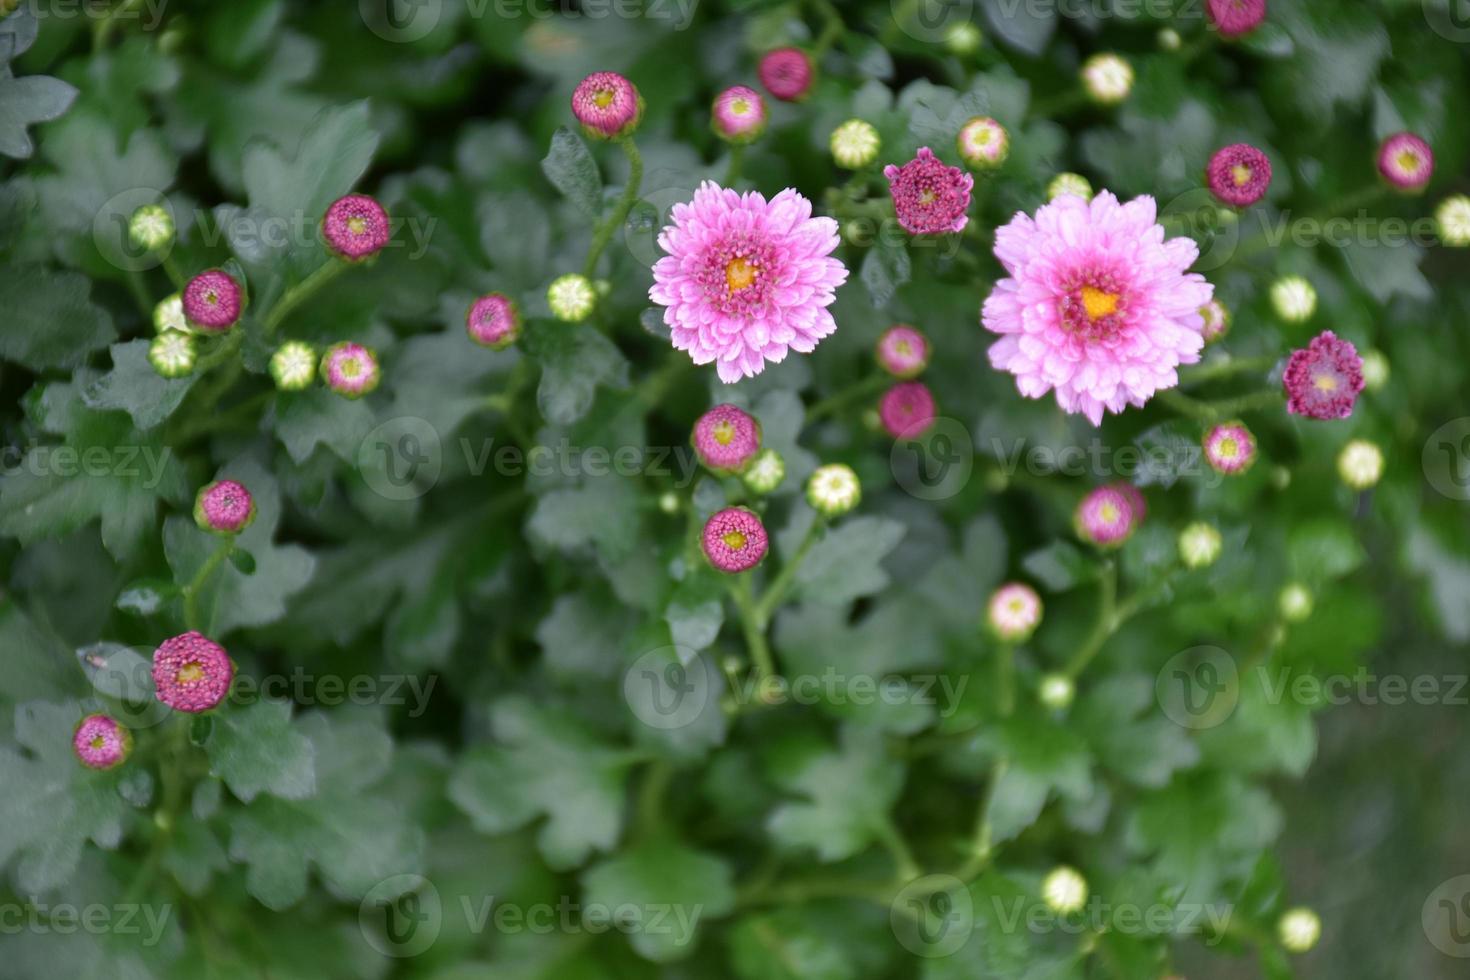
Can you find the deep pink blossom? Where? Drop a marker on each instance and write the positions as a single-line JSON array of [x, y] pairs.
[[787, 73], [929, 196], [1232, 18], [1239, 174], [356, 227], [735, 539], [1323, 379], [192, 673], [907, 410]]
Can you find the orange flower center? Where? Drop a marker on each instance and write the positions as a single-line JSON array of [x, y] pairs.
[[1098, 303], [1241, 174], [604, 97], [724, 433], [740, 274], [356, 225], [191, 673]]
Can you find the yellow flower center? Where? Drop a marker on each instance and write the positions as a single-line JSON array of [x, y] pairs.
[[1109, 513], [350, 368], [927, 196], [604, 98], [724, 433], [1098, 303], [99, 742], [740, 107], [740, 274], [1408, 160], [1324, 382], [1228, 447], [191, 673], [734, 540], [1241, 174], [356, 225]]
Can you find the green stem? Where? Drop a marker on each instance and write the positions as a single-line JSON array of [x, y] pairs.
[[191, 591], [651, 796], [1005, 680], [169, 765], [754, 627], [831, 30], [102, 33], [776, 592], [737, 158], [619, 214], [981, 847], [1226, 368], [1059, 104], [303, 291], [174, 273], [906, 868], [870, 385], [140, 293], [1106, 623]]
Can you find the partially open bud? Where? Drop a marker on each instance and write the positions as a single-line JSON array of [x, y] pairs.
[[765, 472], [1013, 612], [349, 369], [739, 115], [984, 143], [1406, 162], [726, 438], [1295, 602], [855, 144], [1199, 545], [1056, 691], [293, 366], [1217, 320], [1294, 299], [151, 228], [734, 539], [192, 673], [572, 297], [356, 227], [607, 105], [1230, 448], [1107, 78], [903, 351], [1299, 929], [907, 410], [213, 301], [1106, 517], [172, 354], [101, 743], [833, 490], [1064, 890], [1360, 464], [493, 321], [1069, 183], [787, 73], [224, 507]]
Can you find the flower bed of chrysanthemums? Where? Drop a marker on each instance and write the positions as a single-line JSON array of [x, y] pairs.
[[732, 488]]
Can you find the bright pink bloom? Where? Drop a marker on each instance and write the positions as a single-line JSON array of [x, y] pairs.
[[1134, 497], [1230, 448], [224, 507], [745, 281], [192, 673], [1098, 306], [739, 114], [1239, 174], [735, 539], [786, 73], [1406, 161], [350, 369], [355, 227], [1232, 18], [1106, 517], [607, 105], [493, 321], [929, 196], [1014, 611], [212, 301], [1322, 380], [902, 351], [907, 410], [726, 438], [100, 742]]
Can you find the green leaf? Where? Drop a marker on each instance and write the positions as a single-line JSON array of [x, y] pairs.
[[1043, 761], [575, 361], [600, 515], [672, 887], [1060, 566], [25, 102], [1323, 550], [319, 417], [847, 563], [846, 792], [133, 386], [885, 268], [1146, 751], [570, 168], [784, 945], [696, 610], [51, 321], [254, 749]]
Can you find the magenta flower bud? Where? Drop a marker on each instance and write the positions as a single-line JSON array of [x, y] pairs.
[[224, 507], [903, 352], [1406, 161], [213, 301], [349, 369], [1014, 611], [739, 115], [1106, 517], [735, 539], [726, 439], [1230, 448], [1134, 496], [493, 321], [1322, 380], [101, 743], [1239, 174], [1217, 320], [787, 73], [1233, 18], [355, 227], [929, 196], [907, 410], [192, 673], [607, 105]]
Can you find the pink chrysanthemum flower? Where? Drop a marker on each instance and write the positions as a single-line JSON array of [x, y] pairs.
[[735, 539], [746, 280], [192, 673], [1106, 516], [739, 114], [907, 410], [355, 227], [212, 301], [929, 196], [607, 105], [787, 73], [224, 507], [1406, 161], [726, 438], [1232, 18], [1014, 611], [493, 321], [1098, 306], [101, 743], [350, 369], [903, 352], [1239, 174], [1230, 448], [1322, 380]]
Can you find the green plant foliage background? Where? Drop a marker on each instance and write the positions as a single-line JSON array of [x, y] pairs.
[[516, 599]]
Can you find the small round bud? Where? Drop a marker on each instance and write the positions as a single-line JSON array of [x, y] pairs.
[[1056, 691], [1169, 39], [963, 38], [213, 301], [1299, 929], [151, 228], [765, 472], [571, 297], [1294, 299], [493, 321], [1064, 890], [1234, 18], [356, 227], [1406, 162], [669, 502], [192, 673], [734, 539], [1107, 517], [1013, 612], [1360, 464], [169, 315], [738, 115], [787, 73], [1069, 183], [907, 410], [1295, 602], [293, 366], [351, 370], [1375, 369], [1230, 448], [224, 507], [607, 105], [1217, 320], [1199, 545], [855, 144], [983, 143], [1239, 174], [101, 743], [1108, 78], [833, 490], [903, 351], [1453, 218], [726, 438], [172, 354]]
